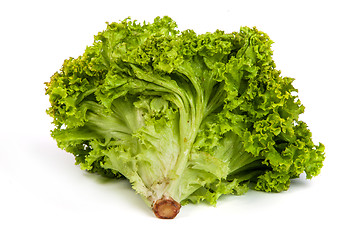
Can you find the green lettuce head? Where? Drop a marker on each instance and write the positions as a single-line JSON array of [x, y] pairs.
[[184, 117]]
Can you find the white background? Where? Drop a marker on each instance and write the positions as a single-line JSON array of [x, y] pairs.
[[43, 195]]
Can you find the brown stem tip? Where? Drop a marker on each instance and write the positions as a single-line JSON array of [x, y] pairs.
[[166, 208]]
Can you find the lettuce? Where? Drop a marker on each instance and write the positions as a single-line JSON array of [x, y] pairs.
[[184, 117]]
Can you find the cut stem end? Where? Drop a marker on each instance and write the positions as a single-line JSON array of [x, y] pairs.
[[166, 208]]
